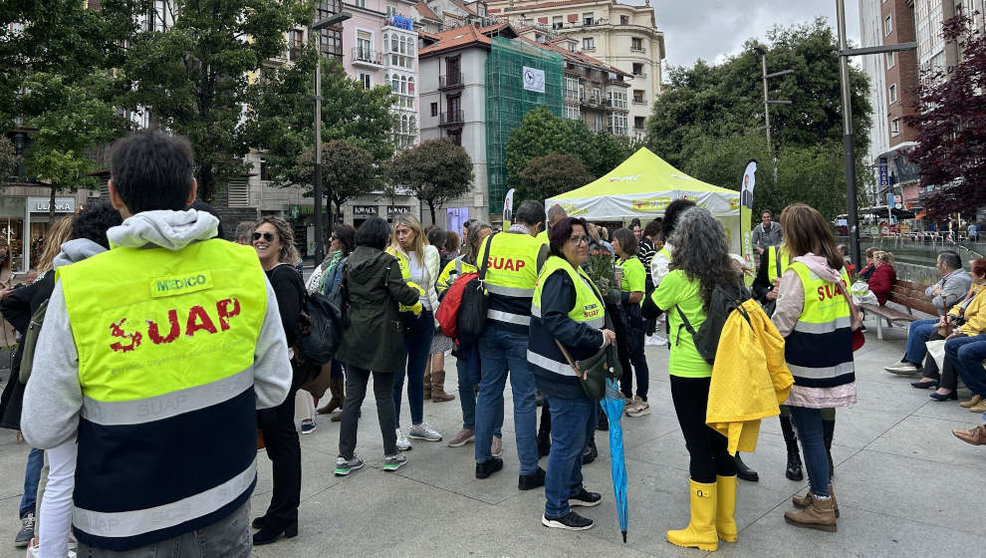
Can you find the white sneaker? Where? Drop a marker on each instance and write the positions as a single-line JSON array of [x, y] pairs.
[[424, 432], [903, 368], [631, 405], [640, 408], [403, 444]]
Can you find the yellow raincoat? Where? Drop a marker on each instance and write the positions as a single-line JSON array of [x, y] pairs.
[[749, 378]]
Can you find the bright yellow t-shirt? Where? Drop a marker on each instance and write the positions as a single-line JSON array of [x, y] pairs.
[[634, 276], [677, 289]]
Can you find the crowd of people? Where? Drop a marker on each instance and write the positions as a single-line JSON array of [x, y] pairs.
[[165, 350]]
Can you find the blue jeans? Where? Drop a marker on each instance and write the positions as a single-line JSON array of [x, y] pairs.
[[572, 422], [32, 476], [917, 336], [808, 422], [502, 350], [467, 365], [966, 355], [417, 345]]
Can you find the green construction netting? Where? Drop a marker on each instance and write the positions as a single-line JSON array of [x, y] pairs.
[[508, 100]]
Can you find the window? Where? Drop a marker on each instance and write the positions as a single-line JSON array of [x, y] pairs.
[[597, 95], [888, 26], [395, 84], [617, 125], [572, 112], [364, 46], [366, 81], [571, 47], [456, 136], [410, 86], [589, 43], [571, 88], [403, 85], [638, 122], [895, 126], [636, 43], [295, 44], [264, 173], [638, 69], [891, 60], [624, 20], [597, 124], [434, 109], [893, 93], [638, 96], [556, 22], [587, 18], [360, 4]]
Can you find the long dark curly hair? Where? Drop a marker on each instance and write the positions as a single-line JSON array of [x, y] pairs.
[[701, 251]]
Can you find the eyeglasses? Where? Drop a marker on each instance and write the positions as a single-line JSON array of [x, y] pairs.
[[576, 240], [268, 236]]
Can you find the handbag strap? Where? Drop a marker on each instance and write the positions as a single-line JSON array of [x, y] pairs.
[[486, 258], [575, 365]]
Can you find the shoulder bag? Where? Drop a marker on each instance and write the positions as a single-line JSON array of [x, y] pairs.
[[593, 371]]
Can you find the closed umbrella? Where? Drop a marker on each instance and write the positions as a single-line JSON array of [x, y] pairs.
[[613, 405]]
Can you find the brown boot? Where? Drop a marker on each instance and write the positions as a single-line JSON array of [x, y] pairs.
[[820, 514], [972, 402], [979, 407], [337, 387], [438, 394], [427, 385], [805, 501]]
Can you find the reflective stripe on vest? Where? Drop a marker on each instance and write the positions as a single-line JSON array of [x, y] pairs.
[[166, 343], [589, 309], [819, 348]]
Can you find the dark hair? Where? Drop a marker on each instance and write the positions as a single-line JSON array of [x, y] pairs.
[[628, 242], [671, 214], [653, 228], [951, 259], [436, 237], [347, 236], [635, 222], [700, 250], [374, 233], [562, 231], [93, 221], [200, 205], [467, 223], [152, 170], [530, 213], [767, 211], [979, 266]]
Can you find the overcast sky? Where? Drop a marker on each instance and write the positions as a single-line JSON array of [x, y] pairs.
[[714, 29]]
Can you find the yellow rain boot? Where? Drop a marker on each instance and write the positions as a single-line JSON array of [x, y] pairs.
[[726, 508], [701, 530]]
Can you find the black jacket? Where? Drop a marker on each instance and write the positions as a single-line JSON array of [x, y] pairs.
[[18, 308]]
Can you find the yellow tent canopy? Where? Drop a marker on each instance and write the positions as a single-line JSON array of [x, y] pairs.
[[643, 186]]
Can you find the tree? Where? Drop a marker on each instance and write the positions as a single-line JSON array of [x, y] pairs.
[[434, 171], [194, 77], [8, 159], [951, 125], [550, 175], [348, 169], [539, 133]]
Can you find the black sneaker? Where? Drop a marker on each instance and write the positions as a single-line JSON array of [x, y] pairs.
[[585, 499], [531, 481], [572, 522], [487, 468], [590, 453]]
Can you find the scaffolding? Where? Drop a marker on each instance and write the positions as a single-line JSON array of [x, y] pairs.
[[508, 100]]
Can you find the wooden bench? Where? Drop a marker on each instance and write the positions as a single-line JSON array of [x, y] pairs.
[[907, 294]]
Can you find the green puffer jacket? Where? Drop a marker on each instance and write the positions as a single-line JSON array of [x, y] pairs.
[[374, 339]]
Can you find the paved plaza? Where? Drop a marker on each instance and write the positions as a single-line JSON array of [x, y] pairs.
[[906, 486]]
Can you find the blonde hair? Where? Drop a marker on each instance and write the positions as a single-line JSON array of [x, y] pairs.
[[289, 252], [411, 222], [884, 257], [58, 234]]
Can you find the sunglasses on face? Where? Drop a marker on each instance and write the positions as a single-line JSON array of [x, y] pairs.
[[268, 236]]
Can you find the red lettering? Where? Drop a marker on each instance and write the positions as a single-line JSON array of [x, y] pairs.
[[116, 330], [225, 312], [154, 332], [821, 293], [198, 319], [521, 264], [509, 265]]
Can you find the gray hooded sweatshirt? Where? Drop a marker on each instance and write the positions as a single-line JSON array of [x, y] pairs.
[[53, 397]]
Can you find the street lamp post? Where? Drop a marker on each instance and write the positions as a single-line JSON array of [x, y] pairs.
[[317, 171], [847, 142]]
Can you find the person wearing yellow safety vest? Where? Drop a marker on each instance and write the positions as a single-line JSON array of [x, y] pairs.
[[814, 316], [419, 263], [156, 355], [467, 362], [567, 308], [510, 278], [660, 264]]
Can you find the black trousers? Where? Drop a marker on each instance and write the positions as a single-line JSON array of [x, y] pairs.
[[383, 391], [284, 451], [630, 351], [948, 378], [706, 447]]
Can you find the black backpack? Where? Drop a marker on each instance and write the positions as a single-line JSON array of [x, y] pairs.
[[323, 319], [471, 319], [724, 301]]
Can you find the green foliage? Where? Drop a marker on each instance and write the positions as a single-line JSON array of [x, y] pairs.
[[550, 175], [194, 77], [8, 158], [349, 170], [281, 121], [708, 121], [434, 171]]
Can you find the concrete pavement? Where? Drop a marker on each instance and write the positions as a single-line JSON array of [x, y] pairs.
[[906, 486]]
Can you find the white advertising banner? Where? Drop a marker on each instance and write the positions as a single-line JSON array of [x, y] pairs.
[[534, 80]]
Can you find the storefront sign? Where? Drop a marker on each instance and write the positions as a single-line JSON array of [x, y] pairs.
[[364, 210], [884, 172], [393, 210], [43, 205]]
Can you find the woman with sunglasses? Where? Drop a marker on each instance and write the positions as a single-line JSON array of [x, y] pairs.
[[274, 242]]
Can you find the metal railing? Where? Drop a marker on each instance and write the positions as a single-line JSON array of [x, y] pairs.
[[453, 79], [367, 55], [451, 117]]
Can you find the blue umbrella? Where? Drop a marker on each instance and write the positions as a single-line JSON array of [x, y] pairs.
[[613, 405]]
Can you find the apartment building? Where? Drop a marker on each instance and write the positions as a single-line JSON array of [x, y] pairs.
[[623, 36]]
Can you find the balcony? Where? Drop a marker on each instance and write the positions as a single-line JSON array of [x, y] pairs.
[[450, 81], [452, 118], [367, 57]]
